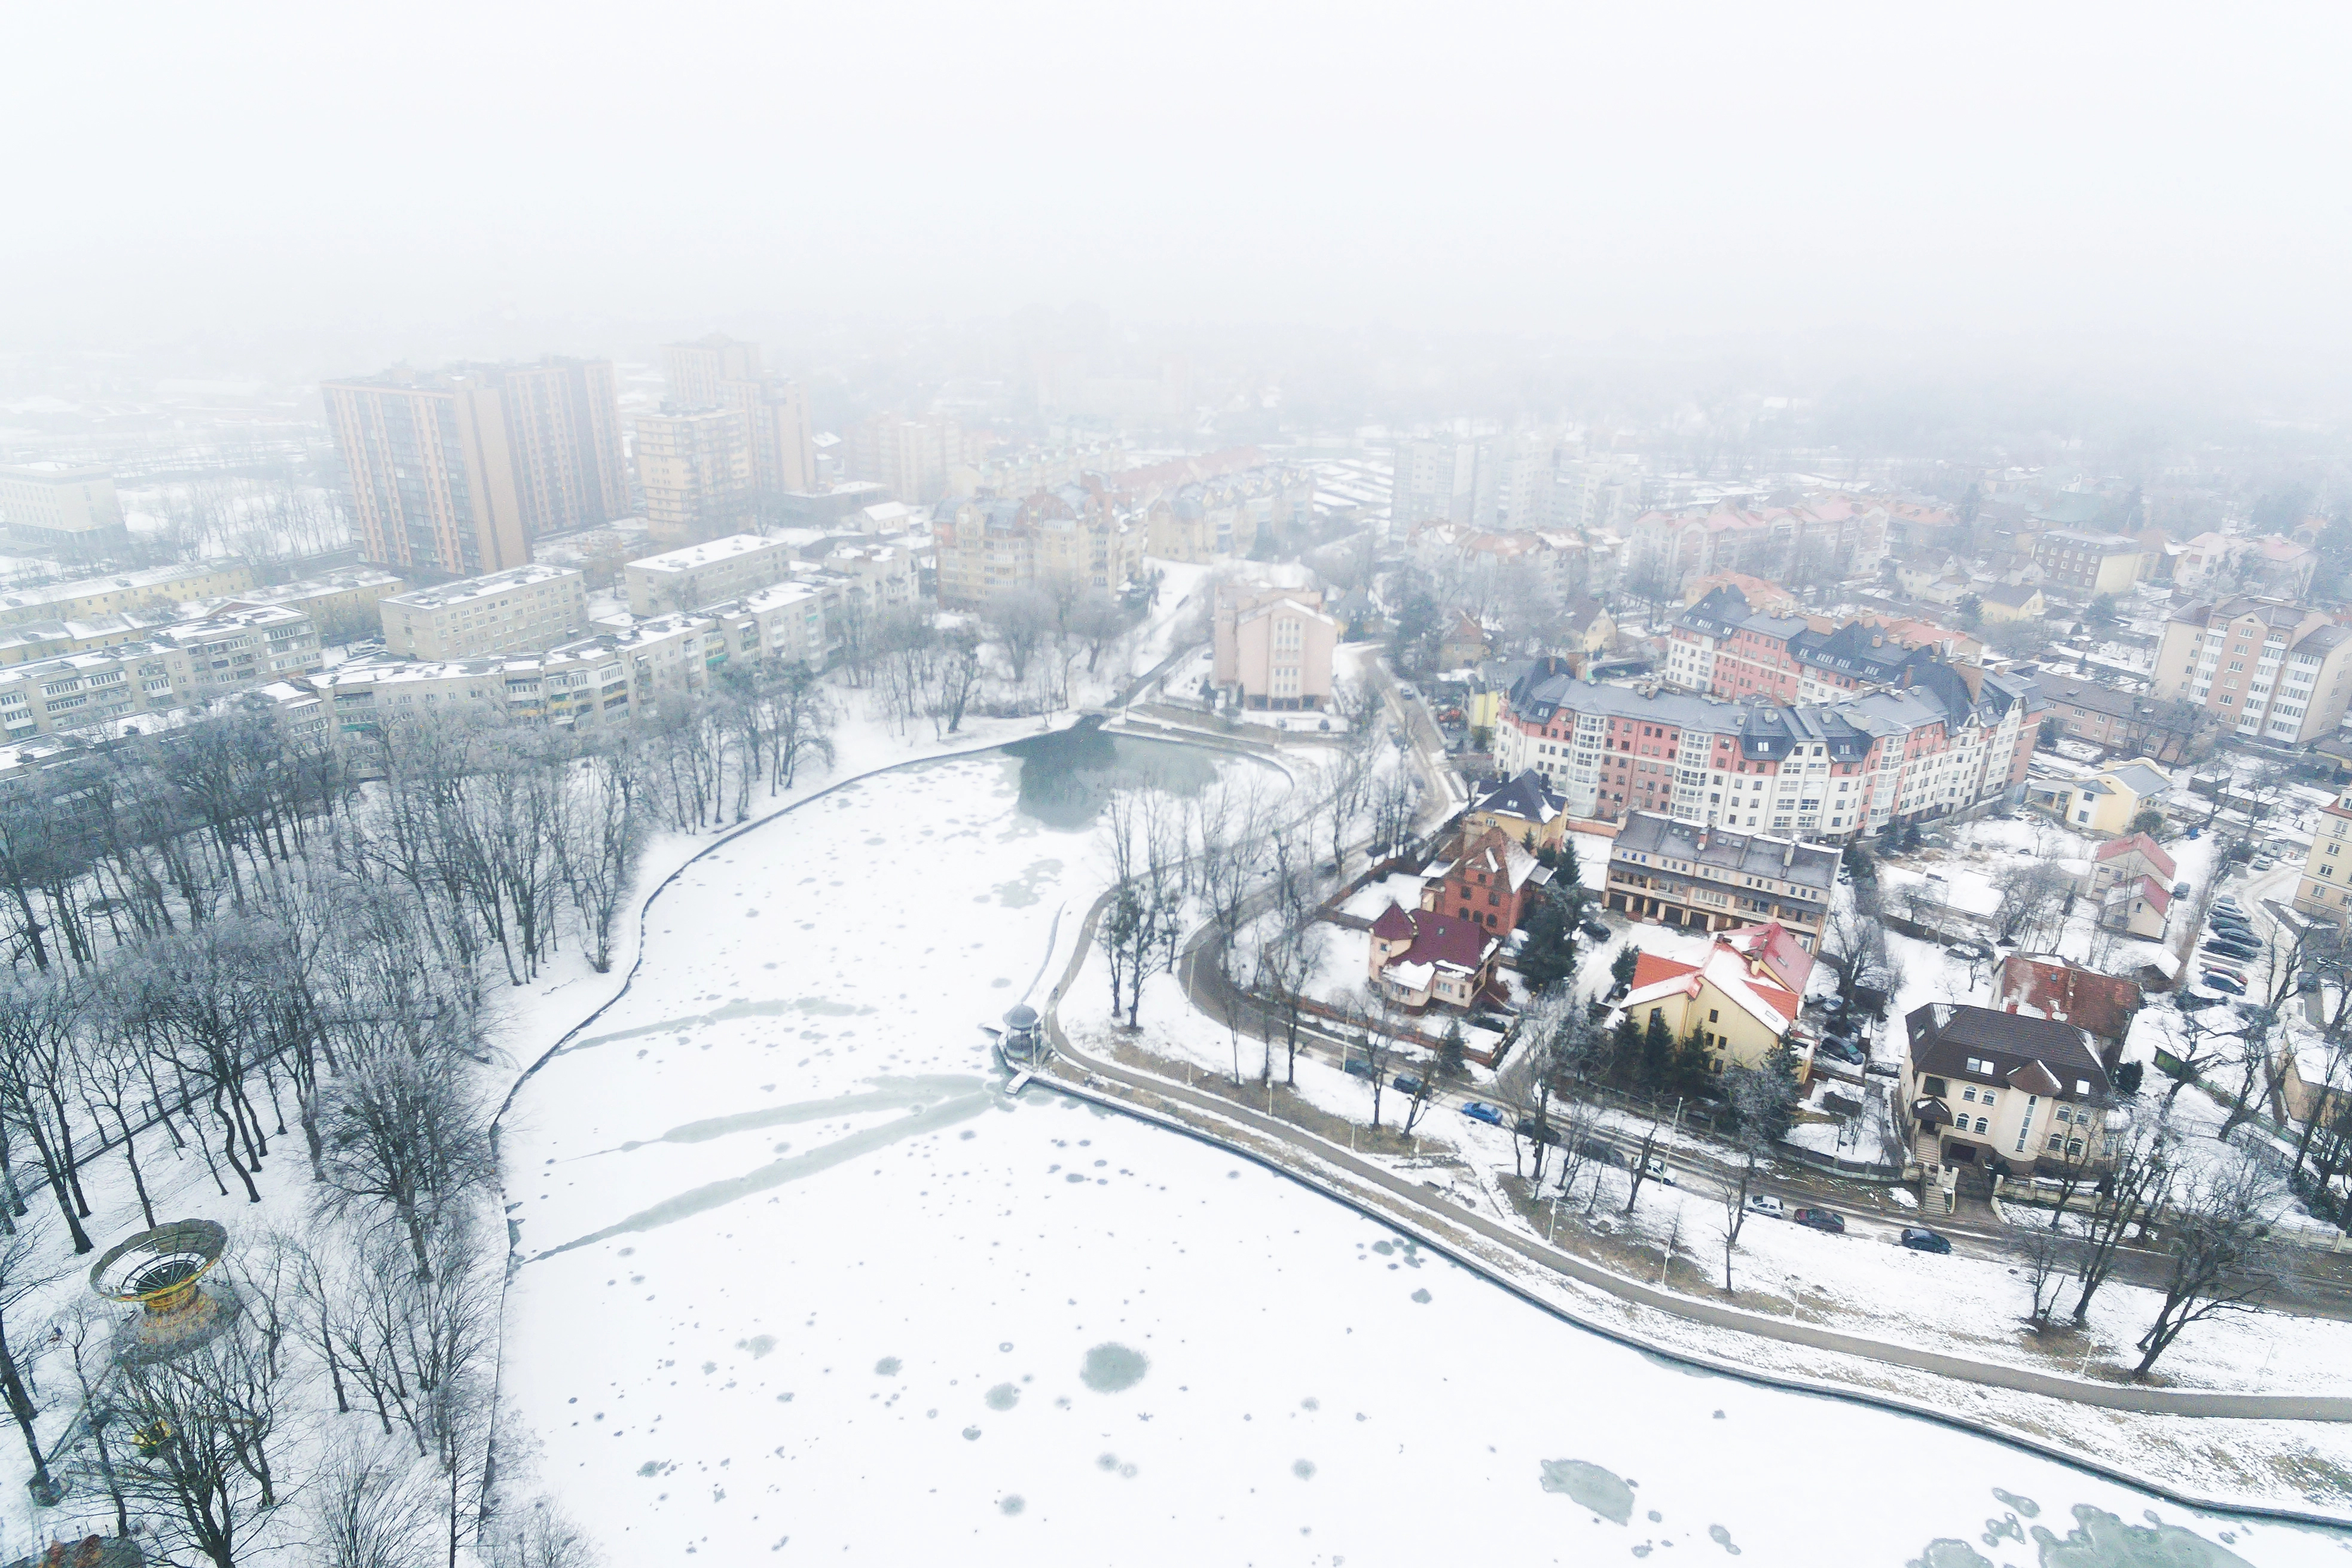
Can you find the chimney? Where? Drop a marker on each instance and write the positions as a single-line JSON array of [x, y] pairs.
[[1789, 854]]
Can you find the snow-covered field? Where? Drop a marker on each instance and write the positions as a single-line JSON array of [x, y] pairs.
[[800, 1281]]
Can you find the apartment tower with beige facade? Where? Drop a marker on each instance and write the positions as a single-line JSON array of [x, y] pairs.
[[458, 470], [2266, 669], [695, 470], [718, 372]]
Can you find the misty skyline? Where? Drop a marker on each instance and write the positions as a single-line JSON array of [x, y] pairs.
[[2157, 183]]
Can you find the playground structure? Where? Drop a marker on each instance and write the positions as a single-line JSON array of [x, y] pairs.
[[168, 1274]]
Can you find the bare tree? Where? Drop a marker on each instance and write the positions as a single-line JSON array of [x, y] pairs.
[[2221, 1255], [2048, 1256], [1022, 619], [536, 1535], [202, 1428], [2134, 1188], [25, 1274], [367, 1508], [404, 1135]]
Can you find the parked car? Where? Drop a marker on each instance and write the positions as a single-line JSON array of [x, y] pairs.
[[1820, 1220], [2229, 917], [2227, 901], [2247, 951], [2216, 966], [1839, 1050], [1920, 1240], [2180, 890], [1655, 1169], [1359, 1067], [1407, 693], [1970, 948], [1766, 1204], [2263, 862], [1542, 1132], [1601, 1153], [1404, 1084], [1882, 1068], [1479, 1111], [2222, 982], [1595, 931]]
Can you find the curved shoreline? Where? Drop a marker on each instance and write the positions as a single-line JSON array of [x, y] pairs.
[[1454, 1252]]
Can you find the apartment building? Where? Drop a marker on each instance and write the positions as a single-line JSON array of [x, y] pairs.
[[1723, 647], [911, 457], [695, 470], [60, 507], [239, 648], [54, 639], [2266, 669], [1272, 647], [525, 607], [707, 573], [187, 663], [1197, 517], [1084, 533], [1992, 1090], [1826, 532], [1710, 879], [719, 371], [337, 601], [458, 470], [2325, 888], [78, 691], [1953, 738], [2125, 724], [125, 593], [2088, 563]]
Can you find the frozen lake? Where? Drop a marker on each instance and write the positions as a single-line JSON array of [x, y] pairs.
[[802, 1284]]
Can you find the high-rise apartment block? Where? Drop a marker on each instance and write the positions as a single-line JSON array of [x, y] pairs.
[[913, 458], [720, 373], [2267, 669], [524, 607], [696, 472], [458, 470]]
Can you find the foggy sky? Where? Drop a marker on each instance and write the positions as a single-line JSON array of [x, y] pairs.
[[2124, 173]]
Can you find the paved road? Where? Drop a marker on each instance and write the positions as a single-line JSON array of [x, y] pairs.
[[1398, 1191]]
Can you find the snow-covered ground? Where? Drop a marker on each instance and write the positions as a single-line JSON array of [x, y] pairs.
[[799, 1280]]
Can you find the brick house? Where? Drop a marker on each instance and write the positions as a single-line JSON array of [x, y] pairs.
[[2102, 1006], [1422, 958], [1491, 881]]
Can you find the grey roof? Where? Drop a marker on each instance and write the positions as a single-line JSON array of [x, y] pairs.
[[2090, 695], [2142, 779], [1525, 796], [1943, 1036], [1855, 650], [1745, 854]]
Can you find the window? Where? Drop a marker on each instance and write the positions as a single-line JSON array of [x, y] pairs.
[[1980, 1124]]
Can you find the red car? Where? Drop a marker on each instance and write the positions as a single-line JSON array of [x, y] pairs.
[[1820, 1220]]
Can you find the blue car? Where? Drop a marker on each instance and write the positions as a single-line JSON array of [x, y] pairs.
[[1479, 1111], [1360, 1067], [1405, 1084]]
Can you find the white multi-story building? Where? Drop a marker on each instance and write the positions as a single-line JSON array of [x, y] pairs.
[[707, 573], [523, 608]]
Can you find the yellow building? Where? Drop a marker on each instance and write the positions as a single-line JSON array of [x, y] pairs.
[[2325, 888], [1739, 994], [2102, 806], [1523, 808], [122, 592]]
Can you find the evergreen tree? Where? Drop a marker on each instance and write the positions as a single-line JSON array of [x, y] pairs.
[[1658, 1054], [1625, 1044], [1620, 968], [1450, 1062], [1694, 1065], [1547, 952], [1567, 871]]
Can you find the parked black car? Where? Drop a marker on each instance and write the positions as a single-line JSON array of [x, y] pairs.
[[1924, 1240], [1601, 1153], [1595, 931], [1542, 1132], [2240, 950], [1842, 1049], [1360, 1067], [1404, 1083]]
